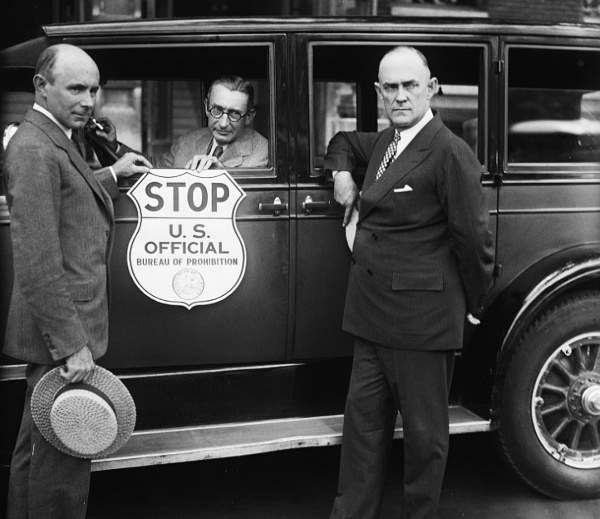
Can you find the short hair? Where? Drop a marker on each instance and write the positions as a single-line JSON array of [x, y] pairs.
[[46, 62], [234, 83]]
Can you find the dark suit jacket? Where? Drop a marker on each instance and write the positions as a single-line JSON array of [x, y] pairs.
[[62, 225], [423, 255]]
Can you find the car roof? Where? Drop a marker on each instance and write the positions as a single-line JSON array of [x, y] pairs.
[[325, 25]]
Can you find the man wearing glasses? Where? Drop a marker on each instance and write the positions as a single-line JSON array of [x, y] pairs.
[[229, 141]]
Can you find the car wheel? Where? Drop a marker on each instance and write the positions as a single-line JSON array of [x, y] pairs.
[[550, 401]]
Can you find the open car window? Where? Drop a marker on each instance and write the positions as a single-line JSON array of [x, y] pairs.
[[344, 97], [16, 97], [155, 95]]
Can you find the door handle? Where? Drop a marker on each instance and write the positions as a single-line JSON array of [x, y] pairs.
[[309, 204], [276, 207]]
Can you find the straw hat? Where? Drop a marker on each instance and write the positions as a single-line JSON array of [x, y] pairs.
[[91, 419]]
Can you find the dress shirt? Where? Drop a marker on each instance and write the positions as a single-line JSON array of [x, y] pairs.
[[406, 136]]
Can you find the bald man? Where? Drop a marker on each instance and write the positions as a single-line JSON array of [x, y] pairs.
[[62, 230], [421, 265]]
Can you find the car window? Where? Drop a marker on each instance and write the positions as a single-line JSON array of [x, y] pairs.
[[344, 98], [16, 97], [155, 94], [553, 108]]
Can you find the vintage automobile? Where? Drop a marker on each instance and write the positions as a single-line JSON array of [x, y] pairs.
[[265, 367]]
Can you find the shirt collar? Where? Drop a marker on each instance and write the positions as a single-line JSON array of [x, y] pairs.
[[410, 133], [68, 131]]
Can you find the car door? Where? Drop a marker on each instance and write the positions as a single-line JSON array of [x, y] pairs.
[[154, 93], [339, 95], [550, 151]]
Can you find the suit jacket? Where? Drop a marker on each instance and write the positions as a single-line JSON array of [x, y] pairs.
[[251, 150], [423, 254], [62, 225]]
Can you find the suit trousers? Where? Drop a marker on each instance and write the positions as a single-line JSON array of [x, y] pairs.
[[44, 483], [384, 381]]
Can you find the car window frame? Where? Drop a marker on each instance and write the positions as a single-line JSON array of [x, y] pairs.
[[272, 42], [555, 169], [486, 43]]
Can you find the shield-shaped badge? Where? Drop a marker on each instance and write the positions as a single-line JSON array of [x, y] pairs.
[[186, 249]]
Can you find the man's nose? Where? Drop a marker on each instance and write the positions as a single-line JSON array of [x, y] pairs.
[[223, 121], [401, 95], [87, 100]]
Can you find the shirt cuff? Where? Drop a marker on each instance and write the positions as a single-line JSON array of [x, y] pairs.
[[473, 320], [112, 170]]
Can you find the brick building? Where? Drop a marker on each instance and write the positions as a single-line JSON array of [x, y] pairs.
[[20, 19]]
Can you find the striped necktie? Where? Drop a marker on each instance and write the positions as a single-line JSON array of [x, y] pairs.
[[389, 155]]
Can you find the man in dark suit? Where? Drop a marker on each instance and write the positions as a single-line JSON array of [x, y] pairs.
[[422, 262], [62, 230]]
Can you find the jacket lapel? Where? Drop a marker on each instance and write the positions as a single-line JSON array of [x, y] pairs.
[[418, 149], [235, 153], [60, 140]]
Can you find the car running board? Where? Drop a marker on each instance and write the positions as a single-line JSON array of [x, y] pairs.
[[162, 446]]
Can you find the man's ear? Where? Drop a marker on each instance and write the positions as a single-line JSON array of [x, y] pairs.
[[378, 89], [432, 87], [249, 116], [40, 83]]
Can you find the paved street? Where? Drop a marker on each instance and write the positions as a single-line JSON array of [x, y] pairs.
[[301, 484]]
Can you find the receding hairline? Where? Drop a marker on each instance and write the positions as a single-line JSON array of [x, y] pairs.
[[48, 59], [404, 49]]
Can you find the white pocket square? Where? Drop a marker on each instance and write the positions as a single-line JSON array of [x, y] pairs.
[[404, 189]]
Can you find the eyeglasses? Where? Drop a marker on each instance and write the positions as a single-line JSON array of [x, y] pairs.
[[234, 116]]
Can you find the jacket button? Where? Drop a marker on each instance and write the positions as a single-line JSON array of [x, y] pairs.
[[374, 236], [370, 272], [107, 234]]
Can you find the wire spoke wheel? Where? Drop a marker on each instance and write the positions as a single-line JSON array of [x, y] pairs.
[[549, 403], [566, 402]]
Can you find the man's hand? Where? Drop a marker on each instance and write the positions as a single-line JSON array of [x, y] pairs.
[[130, 164], [200, 162], [77, 366], [346, 193], [108, 132]]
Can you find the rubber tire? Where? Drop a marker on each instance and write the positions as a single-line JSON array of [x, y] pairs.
[[572, 316]]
